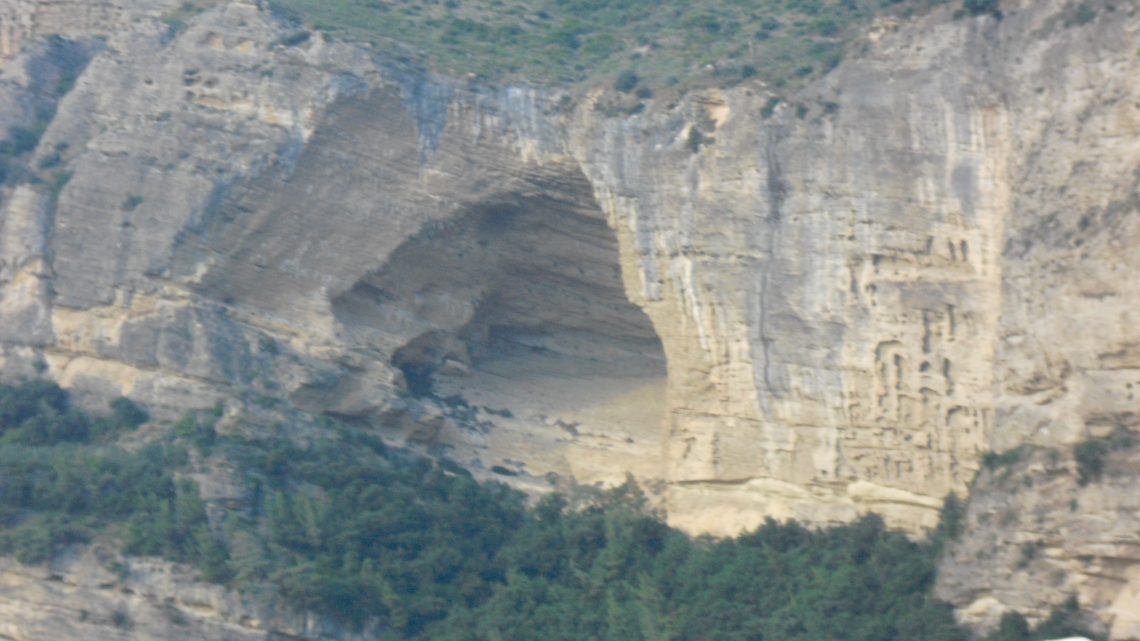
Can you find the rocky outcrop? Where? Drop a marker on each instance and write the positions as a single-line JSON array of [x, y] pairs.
[[1036, 536], [96, 595], [233, 215], [809, 308], [861, 293]]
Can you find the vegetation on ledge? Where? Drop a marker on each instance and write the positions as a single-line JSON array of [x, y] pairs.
[[564, 41]]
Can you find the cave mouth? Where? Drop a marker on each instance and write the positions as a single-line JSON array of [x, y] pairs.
[[517, 308]]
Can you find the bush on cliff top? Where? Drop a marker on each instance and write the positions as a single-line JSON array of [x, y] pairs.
[[559, 41]]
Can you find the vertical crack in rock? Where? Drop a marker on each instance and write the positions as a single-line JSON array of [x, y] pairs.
[[776, 191], [429, 102]]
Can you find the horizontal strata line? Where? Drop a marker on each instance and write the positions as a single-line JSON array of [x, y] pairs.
[[747, 480], [150, 369]]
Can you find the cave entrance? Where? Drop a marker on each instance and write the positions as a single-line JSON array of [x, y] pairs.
[[513, 319]]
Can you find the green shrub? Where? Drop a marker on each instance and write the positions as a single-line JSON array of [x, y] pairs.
[[296, 38], [559, 41], [1028, 552], [696, 139], [1090, 457], [626, 81], [996, 460], [769, 107], [27, 400], [120, 619], [1083, 15], [1065, 621], [198, 428], [39, 413], [127, 413], [58, 181], [131, 202], [59, 494], [50, 161], [979, 7], [951, 522], [1012, 627], [1121, 438], [22, 140]]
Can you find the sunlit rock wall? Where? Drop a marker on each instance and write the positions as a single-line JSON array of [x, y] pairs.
[[813, 308]]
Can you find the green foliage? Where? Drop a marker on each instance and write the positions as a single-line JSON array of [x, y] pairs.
[[996, 460], [353, 532], [120, 619], [696, 139], [127, 413], [1091, 453], [67, 59], [266, 345], [1090, 457], [50, 161], [1029, 552], [951, 522], [22, 403], [770, 107], [1083, 15], [1065, 621], [176, 20], [626, 81], [57, 182], [57, 489], [21, 140], [558, 41], [38, 413], [619, 574], [1013, 627], [198, 429], [171, 523], [60, 494], [131, 203], [978, 7], [295, 39], [349, 529]]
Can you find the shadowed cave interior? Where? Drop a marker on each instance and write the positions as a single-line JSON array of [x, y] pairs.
[[517, 307]]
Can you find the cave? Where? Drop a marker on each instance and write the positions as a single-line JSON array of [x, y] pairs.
[[515, 312]]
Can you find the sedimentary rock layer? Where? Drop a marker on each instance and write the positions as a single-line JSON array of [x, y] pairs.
[[810, 305]]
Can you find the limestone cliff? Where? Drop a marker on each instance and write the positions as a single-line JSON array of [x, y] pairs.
[[808, 309]]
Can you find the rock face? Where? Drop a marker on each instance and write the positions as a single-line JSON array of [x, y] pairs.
[[94, 596], [1035, 535], [810, 309], [856, 304]]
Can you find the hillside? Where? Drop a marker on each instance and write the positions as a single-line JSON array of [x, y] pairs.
[[388, 545], [724, 42], [839, 298]]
